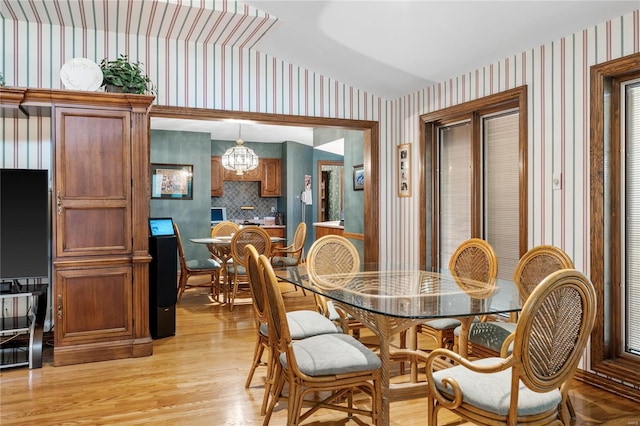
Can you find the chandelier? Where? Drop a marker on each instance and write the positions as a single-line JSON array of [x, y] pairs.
[[239, 158]]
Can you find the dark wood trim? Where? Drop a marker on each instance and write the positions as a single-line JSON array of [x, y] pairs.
[[472, 110], [606, 357], [371, 152]]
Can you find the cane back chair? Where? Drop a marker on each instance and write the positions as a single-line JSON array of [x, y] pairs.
[[335, 363], [530, 386]]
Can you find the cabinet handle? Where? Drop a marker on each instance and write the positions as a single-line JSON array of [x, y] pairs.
[[59, 307], [58, 203]]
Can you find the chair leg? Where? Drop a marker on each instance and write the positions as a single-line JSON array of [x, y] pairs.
[[182, 283], [295, 404], [270, 382], [257, 355], [215, 283], [276, 390], [235, 291]]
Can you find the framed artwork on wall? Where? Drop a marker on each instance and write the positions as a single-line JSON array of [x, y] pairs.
[[358, 177], [404, 172], [172, 181]]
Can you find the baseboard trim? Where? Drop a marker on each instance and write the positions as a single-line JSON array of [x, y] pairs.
[[608, 385]]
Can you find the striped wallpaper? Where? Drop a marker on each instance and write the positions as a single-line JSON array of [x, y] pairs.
[[202, 56]]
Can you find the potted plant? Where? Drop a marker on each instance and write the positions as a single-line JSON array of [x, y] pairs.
[[122, 76]]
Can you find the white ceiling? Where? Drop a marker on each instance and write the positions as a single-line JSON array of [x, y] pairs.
[[393, 48]]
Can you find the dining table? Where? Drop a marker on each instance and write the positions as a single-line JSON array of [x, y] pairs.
[[391, 299], [220, 248]]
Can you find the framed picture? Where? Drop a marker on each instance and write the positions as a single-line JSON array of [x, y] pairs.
[[358, 177], [404, 171], [172, 181]]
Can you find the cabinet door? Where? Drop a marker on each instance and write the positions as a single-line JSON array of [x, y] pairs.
[[217, 177], [93, 305], [92, 182], [270, 182]]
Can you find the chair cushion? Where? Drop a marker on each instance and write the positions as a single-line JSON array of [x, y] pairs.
[[491, 334], [443, 323], [241, 269], [491, 391], [283, 261], [329, 354], [333, 312], [304, 323], [202, 264]]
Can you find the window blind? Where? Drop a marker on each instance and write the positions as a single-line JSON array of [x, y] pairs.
[[455, 188], [631, 293], [501, 192]]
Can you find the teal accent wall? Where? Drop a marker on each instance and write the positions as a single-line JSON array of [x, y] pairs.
[[298, 161], [192, 216], [353, 200]]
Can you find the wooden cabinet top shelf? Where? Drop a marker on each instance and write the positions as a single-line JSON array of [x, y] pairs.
[[25, 102]]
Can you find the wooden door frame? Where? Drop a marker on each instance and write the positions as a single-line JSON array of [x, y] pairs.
[[371, 153]]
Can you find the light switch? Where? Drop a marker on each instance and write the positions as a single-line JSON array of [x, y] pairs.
[[557, 181]]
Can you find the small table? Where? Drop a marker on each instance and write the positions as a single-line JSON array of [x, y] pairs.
[[220, 248], [391, 300], [32, 324]]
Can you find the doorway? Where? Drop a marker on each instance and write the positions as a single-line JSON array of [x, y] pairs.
[[371, 152]]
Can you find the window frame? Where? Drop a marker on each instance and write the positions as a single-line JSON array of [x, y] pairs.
[[472, 111], [606, 351]]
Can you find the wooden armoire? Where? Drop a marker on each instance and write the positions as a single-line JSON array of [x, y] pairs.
[[100, 201]]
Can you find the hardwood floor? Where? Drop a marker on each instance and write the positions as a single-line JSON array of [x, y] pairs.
[[197, 378]]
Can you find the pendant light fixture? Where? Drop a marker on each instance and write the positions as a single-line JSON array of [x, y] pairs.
[[239, 158]]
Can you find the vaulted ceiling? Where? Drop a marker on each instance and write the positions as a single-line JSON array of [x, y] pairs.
[[387, 48]]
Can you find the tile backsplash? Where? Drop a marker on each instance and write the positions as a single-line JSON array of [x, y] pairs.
[[238, 194]]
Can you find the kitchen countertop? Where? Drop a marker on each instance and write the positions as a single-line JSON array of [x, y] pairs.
[[331, 224]]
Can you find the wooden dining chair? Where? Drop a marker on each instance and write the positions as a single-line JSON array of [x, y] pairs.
[[302, 323], [236, 269], [291, 255], [492, 338], [530, 386], [335, 364], [225, 228], [473, 259], [196, 267], [333, 254]]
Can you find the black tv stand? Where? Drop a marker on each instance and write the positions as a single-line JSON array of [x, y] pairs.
[[31, 324]]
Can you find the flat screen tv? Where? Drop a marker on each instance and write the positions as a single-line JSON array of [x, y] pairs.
[[24, 224], [160, 226], [218, 214]]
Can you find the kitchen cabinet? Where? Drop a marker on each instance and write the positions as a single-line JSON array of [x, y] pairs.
[[328, 228], [100, 193], [217, 177], [271, 176], [268, 173]]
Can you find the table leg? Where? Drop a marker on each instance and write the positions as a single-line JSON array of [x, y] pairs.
[[35, 351], [463, 339], [384, 328]]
